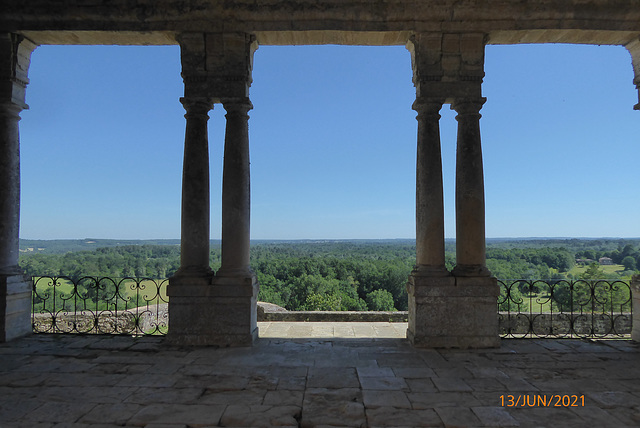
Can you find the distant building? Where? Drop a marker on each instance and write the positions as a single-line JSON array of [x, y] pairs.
[[605, 261]]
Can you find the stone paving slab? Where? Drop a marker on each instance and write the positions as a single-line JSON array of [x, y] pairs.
[[60, 381]]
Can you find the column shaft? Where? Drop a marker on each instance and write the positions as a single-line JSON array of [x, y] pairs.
[[429, 191], [195, 220], [10, 185], [470, 215], [15, 287], [236, 194]]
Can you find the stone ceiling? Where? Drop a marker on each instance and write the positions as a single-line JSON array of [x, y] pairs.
[[354, 22]]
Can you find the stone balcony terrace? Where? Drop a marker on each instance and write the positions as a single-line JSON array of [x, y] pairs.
[[313, 375]]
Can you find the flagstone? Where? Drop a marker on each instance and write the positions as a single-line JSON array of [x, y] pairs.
[[189, 414]]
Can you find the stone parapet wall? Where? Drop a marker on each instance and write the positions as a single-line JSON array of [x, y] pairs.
[[334, 316], [107, 322], [511, 324]]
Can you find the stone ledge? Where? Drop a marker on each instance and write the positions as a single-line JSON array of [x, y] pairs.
[[270, 312]]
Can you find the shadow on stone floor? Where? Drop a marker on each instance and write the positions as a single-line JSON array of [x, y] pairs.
[[98, 381]]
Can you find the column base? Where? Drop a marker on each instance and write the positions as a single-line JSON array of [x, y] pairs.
[[430, 271], [453, 312], [213, 311], [15, 306], [471, 271]]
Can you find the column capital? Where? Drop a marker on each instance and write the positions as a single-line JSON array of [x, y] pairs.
[[468, 106], [429, 106], [241, 106], [197, 106], [11, 109]]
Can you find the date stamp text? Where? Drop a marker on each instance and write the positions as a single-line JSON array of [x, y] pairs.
[[540, 400]]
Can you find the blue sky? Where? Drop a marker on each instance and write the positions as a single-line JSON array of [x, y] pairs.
[[333, 141]]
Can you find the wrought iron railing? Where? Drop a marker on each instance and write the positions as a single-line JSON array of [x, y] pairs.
[[138, 306], [564, 308], [100, 305]]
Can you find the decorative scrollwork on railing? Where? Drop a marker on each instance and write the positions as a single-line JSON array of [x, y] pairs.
[[564, 308], [100, 305]]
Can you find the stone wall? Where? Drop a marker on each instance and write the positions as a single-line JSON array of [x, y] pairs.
[[107, 323]]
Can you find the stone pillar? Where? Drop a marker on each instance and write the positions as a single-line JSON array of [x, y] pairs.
[[235, 284], [470, 232], [430, 274], [15, 287], [190, 287], [457, 310], [429, 192], [236, 195], [195, 219], [204, 309]]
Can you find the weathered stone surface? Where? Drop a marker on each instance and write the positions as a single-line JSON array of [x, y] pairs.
[[116, 414], [59, 412], [330, 316], [451, 384], [192, 415], [330, 377], [33, 393], [283, 398], [373, 399], [431, 400], [436, 305], [457, 417], [150, 395], [494, 417], [383, 383], [352, 22], [393, 417], [335, 407], [260, 416]]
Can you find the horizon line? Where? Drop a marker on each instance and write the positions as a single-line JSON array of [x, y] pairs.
[[338, 239]]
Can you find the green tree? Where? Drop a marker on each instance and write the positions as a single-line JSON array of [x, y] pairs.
[[322, 302], [593, 272], [629, 263], [380, 300]]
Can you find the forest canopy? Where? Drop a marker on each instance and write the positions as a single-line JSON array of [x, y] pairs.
[[332, 275]]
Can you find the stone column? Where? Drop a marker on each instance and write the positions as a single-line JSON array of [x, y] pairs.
[[195, 219], [470, 232], [236, 195], [429, 191], [430, 281], [235, 285], [220, 309], [457, 310], [15, 287], [190, 287]]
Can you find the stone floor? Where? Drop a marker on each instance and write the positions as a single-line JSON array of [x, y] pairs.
[[333, 376]]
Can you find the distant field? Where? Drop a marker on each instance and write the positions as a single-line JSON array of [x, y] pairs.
[[608, 269]]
